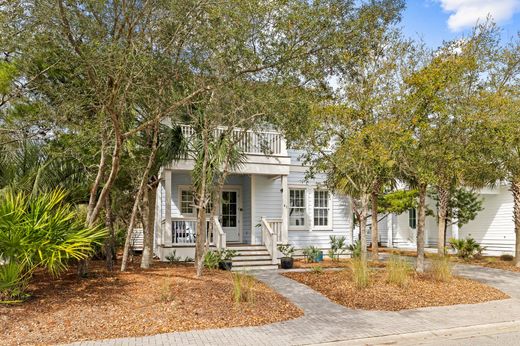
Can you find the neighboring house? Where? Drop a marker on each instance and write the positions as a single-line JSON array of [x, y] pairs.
[[268, 201], [493, 227]]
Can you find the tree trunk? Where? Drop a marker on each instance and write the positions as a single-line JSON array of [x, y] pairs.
[[444, 197], [142, 187], [110, 252], [149, 225], [200, 242], [375, 226], [420, 228], [515, 189], [365, 198]]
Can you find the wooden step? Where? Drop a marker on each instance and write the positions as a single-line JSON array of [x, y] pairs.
[[246, 247], [254, 267], [251, 257], [252, 262]]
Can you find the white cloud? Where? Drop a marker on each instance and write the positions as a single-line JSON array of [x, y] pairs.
[[466, 13]]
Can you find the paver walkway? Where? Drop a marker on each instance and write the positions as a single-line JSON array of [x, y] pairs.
[[325, 321]]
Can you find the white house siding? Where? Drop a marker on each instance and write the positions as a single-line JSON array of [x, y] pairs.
[[493, 227], [267, 201], [340, 225]]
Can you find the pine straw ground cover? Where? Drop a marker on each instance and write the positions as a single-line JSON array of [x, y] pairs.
[[109, 305], [422, 291], [328, 263], [484, 261]]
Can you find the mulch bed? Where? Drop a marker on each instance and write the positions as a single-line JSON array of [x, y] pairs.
[[166, 298], [422, 291], [485, 261], [328, 263], [493, 262]]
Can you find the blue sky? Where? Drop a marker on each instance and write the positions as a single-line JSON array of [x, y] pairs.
[[438, 20]]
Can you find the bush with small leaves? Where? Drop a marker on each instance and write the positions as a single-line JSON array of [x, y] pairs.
[[507, 257]]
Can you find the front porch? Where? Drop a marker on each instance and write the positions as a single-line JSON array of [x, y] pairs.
[[252, 212]]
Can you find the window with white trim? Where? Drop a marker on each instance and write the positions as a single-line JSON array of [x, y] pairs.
[[186, 202], [321, 208], [412, 218], [297, 208]]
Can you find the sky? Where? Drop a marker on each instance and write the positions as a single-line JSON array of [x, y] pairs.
[[438, 20]]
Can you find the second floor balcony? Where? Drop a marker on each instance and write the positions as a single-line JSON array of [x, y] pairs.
[[265, 150]]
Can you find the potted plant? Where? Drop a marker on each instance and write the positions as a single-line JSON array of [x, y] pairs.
[[286, 262], [226, 256]]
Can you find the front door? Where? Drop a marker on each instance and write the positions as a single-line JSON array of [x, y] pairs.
[[229, 217]]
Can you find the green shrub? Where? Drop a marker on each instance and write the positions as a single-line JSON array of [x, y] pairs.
[[399, 270], [317, 270], [243, 288], [466, 248], [211, 260], [311, 253], [355, 249], [13, 283], [337, 247], [441, 268], [172, 258], [507, 257], [360, 273], [41, 232]]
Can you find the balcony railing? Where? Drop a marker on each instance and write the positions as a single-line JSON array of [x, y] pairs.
[[249, 142]]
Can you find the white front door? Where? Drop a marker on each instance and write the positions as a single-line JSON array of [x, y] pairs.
[[229, 215]]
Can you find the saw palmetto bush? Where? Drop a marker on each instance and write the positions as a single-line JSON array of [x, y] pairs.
[[40, 232]]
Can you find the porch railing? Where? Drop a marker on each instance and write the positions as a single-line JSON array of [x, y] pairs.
[[220, 235], [276, 226], [184, 231], [250, 142], [269, 239]]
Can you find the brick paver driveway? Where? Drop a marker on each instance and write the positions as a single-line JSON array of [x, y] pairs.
[[325, 321]]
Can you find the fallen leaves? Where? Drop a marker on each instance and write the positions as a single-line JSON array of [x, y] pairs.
[[112, 305], [422, 291]]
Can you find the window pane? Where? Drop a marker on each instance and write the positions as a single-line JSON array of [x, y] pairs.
[[297, 207], [321, 208]]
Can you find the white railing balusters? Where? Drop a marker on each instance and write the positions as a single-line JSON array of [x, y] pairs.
[[250, 142]]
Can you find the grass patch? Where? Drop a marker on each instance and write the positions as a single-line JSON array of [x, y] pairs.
[[243, 288], [360, 273], [441, 268], [398, 271]]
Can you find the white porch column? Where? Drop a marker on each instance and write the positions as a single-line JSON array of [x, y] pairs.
[[253, 209], [285, 210], [390, 230], [167, 234]]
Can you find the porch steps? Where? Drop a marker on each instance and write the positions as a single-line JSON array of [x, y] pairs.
[[251, 257]]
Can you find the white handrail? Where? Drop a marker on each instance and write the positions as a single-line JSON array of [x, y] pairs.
[[221, 235], [269, 239], [276, 226], [250, 141]]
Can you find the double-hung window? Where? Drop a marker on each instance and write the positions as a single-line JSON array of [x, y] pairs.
[[322, 209], [186, 202], [297, 208]]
